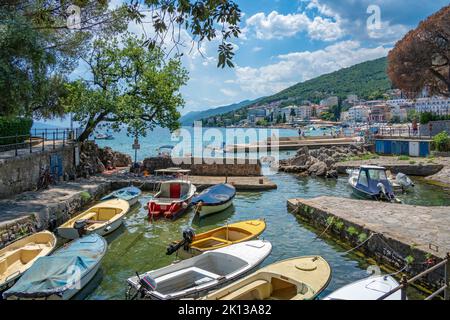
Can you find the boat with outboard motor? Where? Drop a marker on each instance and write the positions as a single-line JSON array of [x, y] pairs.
[[195, 277], [371, 183], [195, 244]]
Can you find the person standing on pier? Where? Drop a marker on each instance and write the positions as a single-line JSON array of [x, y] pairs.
[[414, 127]]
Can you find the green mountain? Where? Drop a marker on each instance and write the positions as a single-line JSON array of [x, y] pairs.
[[368, 80], [189, 118]]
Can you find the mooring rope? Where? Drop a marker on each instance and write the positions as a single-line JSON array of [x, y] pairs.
[[324, 231], [359, 245]]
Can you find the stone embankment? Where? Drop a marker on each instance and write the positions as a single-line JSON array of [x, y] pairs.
[[319, 162]]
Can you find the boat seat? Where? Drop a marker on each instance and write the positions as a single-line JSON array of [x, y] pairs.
[[256, 290]]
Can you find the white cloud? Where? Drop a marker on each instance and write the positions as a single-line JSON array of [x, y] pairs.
[[278, 26], [257, 49], [388, 33], [228, 92], [301, 66]]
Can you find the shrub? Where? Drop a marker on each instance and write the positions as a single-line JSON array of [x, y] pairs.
[[413, 162], [362, 237], [10, 127], [441, 141], [85, 195], [403, 158]]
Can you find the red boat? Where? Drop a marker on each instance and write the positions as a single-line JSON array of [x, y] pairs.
[[172, 200]]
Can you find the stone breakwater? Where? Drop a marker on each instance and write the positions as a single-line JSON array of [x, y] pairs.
[[319, 162]]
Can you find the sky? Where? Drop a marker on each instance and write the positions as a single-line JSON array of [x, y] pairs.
[[284, 42]]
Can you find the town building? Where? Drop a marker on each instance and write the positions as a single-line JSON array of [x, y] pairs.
[[436, 105], [380, 113], [358, 114]]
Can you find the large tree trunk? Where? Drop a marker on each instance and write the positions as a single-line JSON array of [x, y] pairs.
[[91, 125]]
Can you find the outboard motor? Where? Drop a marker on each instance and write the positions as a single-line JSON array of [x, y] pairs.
[[80, 226], [188, 237]]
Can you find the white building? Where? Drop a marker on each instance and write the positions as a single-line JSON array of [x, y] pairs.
[[358, 114], [304, 112], [435, 105]]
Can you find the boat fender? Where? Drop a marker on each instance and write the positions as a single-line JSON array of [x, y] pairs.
[[107, 228]]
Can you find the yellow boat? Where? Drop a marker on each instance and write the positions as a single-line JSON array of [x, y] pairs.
[[103, 218], [17, 257], [219, 238], [301, 278]]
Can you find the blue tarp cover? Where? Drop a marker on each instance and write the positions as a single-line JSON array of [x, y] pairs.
[[54, 274], [215, 195], [124, 193]]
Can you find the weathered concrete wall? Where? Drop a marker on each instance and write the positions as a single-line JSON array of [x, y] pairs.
[[21, 173], [206, 167], [438, 126]]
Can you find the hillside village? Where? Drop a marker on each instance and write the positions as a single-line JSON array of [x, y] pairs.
[[396, 108]]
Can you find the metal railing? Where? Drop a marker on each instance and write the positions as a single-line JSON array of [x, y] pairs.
[[405, 282], [38, 140], [402, 132]]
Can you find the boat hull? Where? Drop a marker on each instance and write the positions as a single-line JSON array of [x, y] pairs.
[[93, 248], [207, 210], [105, 227]]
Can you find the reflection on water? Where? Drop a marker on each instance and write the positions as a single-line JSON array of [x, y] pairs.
[[141, 245]]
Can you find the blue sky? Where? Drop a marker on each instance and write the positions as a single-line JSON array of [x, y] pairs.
[[288, 41], [284, 42]]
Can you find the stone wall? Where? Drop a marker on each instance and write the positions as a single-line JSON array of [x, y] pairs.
[[206, 167], [21, 173]]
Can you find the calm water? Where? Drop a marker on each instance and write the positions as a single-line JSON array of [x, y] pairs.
[[140, 246], [160, 137]]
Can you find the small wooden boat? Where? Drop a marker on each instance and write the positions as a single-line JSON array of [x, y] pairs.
[[370, 288], [64, 273], [20, 255], [214, 199], [103, 218], [233, 233], [130, 194], [371, 182], [300, 278], [194, 277], [172, 200]]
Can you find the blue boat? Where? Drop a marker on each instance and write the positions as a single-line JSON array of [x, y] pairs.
[[130, 194], [63, 274], [371, 182], [214, 199]]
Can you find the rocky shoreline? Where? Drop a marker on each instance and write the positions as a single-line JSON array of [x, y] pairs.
[[94, 159], [319, 162]]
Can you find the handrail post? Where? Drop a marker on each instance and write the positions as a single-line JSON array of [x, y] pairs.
[[15, 146], [404, 287], [53, 140], [43, 141], [447, 278], [31, 145]]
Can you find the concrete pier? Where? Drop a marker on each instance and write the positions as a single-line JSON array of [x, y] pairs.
[[401, 230], [293, 144]]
